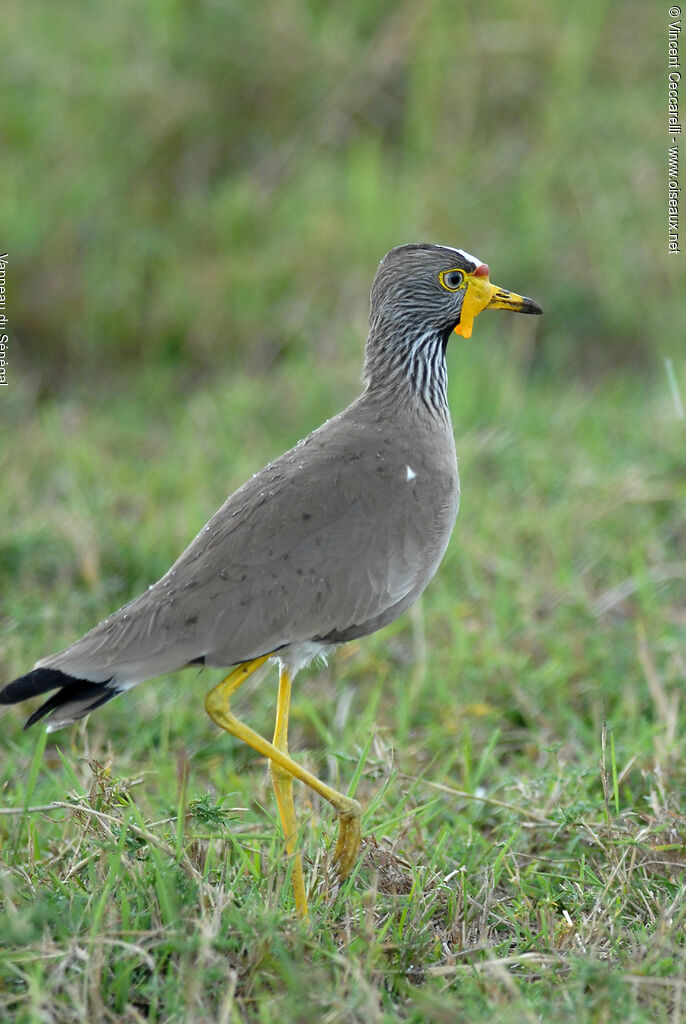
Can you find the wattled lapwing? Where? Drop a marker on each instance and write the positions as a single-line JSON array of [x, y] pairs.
[[328, 543]]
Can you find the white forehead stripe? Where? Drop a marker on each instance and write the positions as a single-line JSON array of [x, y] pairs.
[[465, 255]]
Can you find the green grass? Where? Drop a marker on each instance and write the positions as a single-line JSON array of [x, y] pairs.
[[517, 741]]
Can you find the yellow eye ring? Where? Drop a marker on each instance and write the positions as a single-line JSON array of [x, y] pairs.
[[452, 280]]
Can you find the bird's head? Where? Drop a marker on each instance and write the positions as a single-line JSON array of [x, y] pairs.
[[436, 288]]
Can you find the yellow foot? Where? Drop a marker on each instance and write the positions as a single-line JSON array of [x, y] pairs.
[[349, 839]]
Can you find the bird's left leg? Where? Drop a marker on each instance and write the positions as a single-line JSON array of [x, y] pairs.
[[282, 781]]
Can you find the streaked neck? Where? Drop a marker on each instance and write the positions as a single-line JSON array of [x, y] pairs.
[[413, 363]]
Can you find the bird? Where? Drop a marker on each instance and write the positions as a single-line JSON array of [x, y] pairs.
[[328, 543]]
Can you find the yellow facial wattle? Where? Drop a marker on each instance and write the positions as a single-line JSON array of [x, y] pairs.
[[478, 295]]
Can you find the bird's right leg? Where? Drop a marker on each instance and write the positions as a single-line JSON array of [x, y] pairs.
[[282, 781]]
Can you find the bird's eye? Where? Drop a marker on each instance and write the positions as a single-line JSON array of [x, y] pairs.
[[452, 280]]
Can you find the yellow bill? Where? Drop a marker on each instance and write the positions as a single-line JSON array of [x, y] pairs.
[[481, 294]]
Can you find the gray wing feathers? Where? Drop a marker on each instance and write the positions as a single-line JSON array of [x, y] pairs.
[[319, 542]]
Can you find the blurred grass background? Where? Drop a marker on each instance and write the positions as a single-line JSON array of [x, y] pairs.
[[211, 185], [195, 198]]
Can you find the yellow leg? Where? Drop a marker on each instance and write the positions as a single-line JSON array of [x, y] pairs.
[[283, 791], [217, 706]]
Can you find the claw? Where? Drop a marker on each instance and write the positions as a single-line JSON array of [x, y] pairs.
[[349, 839]]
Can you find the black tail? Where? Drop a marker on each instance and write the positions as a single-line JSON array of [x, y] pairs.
[[74, 698]]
